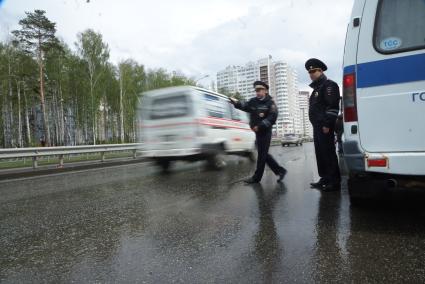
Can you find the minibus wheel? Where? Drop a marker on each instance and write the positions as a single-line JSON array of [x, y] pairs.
[[365, 189], [164, 164], [217, 161]]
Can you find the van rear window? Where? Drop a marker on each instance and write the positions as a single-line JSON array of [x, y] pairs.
[[399, 26], [169, 107]]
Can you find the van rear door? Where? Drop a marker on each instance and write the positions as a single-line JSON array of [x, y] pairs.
[[169, 121], [390, 76]]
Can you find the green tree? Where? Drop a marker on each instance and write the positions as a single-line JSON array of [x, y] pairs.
[[131, 77], [25, 80], [7, 60], [56, 70], [226, 92], [37, 36], [95, 53], [161, 78], [109, 104], [77, 88]]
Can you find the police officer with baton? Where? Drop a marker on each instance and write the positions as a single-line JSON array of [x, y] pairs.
[[263, 114]]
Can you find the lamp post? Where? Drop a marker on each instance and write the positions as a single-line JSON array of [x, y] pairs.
[[203, 77]]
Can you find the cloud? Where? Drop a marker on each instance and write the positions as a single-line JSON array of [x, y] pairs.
[[292, 33], [203, 37]]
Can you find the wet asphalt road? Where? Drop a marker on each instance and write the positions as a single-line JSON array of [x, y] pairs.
[[131, 224]]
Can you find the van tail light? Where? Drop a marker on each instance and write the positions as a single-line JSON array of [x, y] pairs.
[[379, 163], [349, 97]]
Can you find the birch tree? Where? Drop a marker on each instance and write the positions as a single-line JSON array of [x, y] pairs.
[[95, 54]]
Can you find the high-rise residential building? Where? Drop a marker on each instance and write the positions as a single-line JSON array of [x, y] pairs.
[[303, 102], [283, 82]]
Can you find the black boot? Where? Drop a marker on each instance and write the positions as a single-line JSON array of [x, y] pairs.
[[331, 187], [251, 180], [320, 184], [282, 175]]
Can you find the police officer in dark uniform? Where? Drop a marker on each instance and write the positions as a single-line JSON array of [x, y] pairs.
[[263, 114], [323, 112]]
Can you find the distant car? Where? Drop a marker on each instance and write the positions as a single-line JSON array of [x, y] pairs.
[[275, 141], [291, 139]]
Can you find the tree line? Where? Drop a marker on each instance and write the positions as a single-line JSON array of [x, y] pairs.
[[52, 95]]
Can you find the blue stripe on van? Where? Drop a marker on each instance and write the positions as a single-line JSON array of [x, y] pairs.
[[349, 69], [389, 71]]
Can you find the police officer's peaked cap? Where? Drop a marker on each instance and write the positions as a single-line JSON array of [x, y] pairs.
[[260, 84], [314, 63]]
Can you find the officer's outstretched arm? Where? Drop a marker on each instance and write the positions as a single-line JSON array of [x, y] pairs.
[[242, 105], [270, 118], [332, 104]]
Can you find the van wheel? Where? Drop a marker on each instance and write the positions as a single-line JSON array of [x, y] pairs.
[[165, 165], [216, 161]]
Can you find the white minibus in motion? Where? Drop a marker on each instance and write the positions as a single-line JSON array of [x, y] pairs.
[[190, 124]]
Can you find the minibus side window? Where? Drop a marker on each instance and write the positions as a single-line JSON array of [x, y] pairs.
[[235, 115], [399, 26], [214, 106]]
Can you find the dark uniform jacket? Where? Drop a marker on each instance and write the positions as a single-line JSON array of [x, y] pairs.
[[324, 103], [263, 113]]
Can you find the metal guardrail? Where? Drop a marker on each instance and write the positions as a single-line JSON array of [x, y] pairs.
[[60, 151]]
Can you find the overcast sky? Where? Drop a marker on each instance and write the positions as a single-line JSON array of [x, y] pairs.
[[200, 37]]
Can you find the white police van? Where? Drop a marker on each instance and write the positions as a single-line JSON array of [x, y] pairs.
[[384, 96], [189, 123]]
